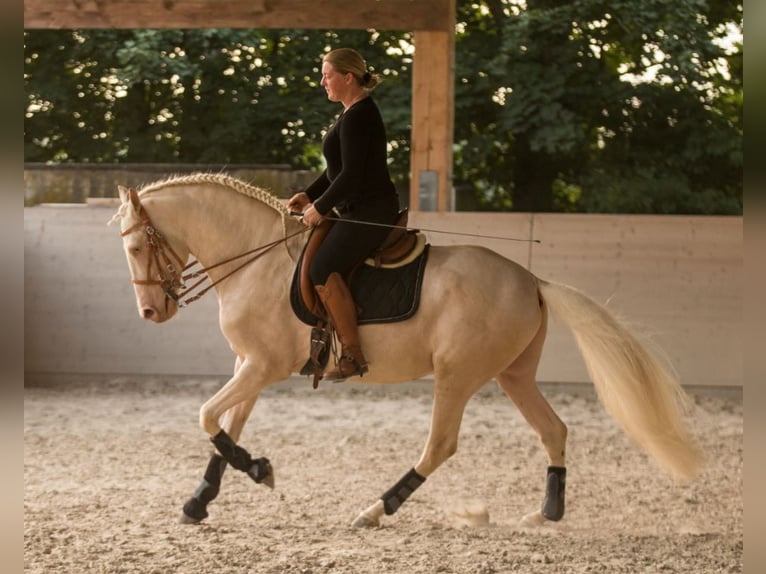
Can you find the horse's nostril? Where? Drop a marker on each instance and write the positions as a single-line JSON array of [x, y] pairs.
[[148, 313]]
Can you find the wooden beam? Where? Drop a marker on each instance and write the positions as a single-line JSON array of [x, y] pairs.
[[330, 14], [433, 81]]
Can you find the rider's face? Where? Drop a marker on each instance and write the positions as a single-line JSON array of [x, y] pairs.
[[335, 84]]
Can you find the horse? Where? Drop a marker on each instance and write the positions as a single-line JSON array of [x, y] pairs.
[[481, 317]]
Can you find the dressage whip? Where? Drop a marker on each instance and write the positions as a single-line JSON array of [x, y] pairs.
[[478, 235]]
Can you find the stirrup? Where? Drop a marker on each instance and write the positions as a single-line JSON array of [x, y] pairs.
[[338, 374]]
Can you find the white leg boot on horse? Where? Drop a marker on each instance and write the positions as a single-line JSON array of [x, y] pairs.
[[340, 306]]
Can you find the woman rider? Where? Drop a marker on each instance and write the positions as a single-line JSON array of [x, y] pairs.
[[356, 184]]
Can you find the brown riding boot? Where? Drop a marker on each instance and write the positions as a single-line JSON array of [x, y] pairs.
[[341, 308]]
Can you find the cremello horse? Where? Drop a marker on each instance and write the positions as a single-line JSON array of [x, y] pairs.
[[481, 316]]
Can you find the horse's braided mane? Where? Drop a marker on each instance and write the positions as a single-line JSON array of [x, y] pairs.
[[223, 180]]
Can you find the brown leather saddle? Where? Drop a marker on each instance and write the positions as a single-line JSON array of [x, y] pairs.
[[400, 247]]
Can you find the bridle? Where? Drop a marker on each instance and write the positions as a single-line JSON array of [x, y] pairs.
[[171, 277]]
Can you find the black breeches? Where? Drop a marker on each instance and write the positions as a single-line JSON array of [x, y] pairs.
[[346, 245]]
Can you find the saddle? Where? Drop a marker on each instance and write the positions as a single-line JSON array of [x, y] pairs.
[[401, 246]]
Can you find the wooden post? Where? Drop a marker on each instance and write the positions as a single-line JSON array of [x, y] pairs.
[[432, 121]]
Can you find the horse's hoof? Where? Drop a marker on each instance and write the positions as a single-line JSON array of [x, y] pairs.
[[193, 512], [533, 520], [186, 519], [268, 480], [262, 472], [363, 521]]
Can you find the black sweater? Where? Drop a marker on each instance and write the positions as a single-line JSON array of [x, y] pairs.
[[355, 149]]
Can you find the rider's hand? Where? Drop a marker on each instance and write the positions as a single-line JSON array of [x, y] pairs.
[[298, 202], [312, 217]]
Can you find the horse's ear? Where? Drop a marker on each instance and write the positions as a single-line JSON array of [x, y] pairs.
[[134, 199], [129, 195]]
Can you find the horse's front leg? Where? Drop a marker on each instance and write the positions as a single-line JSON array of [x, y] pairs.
[[195, 508], [244, 386], [223, 417]]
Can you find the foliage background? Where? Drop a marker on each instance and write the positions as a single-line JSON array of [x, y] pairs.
[[626, 106]]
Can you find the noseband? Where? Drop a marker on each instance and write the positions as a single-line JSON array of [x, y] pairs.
[[171, 279]]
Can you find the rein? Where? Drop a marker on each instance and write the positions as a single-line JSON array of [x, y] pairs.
[[258, 251], [405, 228], [172, 280]]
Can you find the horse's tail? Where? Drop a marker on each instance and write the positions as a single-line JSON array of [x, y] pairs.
[[635, 386]]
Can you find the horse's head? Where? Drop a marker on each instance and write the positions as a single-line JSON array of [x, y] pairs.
[[155, 265]]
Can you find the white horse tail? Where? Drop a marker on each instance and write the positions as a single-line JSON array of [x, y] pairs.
[[637, 388]]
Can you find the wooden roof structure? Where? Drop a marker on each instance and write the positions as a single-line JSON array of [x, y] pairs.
[[431, 21]]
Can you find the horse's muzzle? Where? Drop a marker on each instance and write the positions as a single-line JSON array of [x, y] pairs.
[[152, 313]]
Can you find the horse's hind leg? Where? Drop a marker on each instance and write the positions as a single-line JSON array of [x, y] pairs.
[[450, 399], [519, 384]]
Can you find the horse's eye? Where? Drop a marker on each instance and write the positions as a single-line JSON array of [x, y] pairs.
[[135, 250]]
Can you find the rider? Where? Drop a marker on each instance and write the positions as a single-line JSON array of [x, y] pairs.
[[356, 184]]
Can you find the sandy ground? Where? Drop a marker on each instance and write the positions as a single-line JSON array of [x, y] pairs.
[[108, 463]]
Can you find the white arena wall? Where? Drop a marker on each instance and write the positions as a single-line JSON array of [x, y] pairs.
[[678, 278]]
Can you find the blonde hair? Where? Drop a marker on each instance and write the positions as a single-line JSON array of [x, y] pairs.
[[346, 60]]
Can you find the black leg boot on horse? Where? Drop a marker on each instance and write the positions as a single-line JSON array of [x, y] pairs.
[[339, 303]]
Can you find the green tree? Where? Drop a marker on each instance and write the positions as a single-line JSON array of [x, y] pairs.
[[197, 96], [627, 105], [568, 105]]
